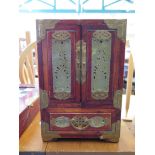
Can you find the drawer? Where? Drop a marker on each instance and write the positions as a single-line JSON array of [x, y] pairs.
[[80, 121]]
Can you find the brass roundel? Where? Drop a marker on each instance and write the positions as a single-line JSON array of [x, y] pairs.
[[80, 122]]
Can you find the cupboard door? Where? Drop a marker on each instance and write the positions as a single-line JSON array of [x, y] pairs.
[[98, 86], [63, 78]]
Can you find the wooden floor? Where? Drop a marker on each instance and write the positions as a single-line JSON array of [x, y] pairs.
[[31, 141]]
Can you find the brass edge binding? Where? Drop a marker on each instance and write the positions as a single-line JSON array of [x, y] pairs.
[[78, 61], [42, 25], [43, 99], [117, 102], [81, 45], [114, 134], [120, 25], [48, 135]]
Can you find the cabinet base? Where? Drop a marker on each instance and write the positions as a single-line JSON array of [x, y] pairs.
[[113, 140], [50, 140]]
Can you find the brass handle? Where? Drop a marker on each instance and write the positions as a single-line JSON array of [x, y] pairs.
[[78, 71], [83, 61], [79, 122], [81, 66]]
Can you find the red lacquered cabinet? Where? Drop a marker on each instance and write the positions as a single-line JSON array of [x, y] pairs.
[[81, 77]]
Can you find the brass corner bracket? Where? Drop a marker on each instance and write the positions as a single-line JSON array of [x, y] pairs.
[[42, 25], [117, 101], [43, 99], [114, 133], [119, 25], [48, 135], [81, 64]]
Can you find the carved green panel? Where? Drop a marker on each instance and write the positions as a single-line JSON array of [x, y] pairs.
[[97, 121], [61, 64], [100, 70], [61, 122]]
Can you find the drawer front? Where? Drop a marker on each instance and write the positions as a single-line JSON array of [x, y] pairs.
[[80, 121]]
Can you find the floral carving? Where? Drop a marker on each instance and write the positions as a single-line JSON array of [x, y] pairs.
[[61, 35], [102, 35], [62, 95], [99, 95]]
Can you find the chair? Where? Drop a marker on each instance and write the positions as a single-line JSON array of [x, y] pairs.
[[26, 65]]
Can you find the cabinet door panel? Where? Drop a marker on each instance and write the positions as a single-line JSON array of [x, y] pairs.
[[62, 59], [100, 63], [61, 66], [100, 53]]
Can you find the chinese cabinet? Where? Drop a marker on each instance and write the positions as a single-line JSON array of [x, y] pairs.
[[81, 78]]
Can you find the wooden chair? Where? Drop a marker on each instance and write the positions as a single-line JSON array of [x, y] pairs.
[[24, 42], [29, 99], [28, 57], [26, 65], [129, 84]]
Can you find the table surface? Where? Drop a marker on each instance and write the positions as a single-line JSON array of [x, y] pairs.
[[31, 141], [27, 95]]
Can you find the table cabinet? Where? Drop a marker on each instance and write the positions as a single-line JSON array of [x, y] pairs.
[[81, 77]]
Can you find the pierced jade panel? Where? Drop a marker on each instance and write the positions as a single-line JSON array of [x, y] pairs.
[[100, 71], [61, 66]]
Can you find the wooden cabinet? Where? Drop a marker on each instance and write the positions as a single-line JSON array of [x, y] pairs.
[[81, 78]]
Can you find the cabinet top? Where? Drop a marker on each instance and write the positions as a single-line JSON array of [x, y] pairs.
[[118, 24]]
